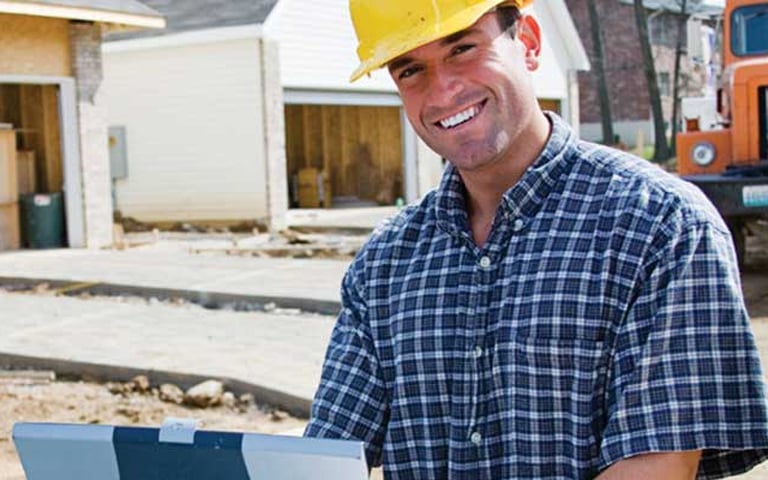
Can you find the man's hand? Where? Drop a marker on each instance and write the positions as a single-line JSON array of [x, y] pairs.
[[669, 466]]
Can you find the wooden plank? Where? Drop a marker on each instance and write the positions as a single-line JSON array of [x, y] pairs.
[[25, 161], [51, 140], [10, 234], [333, 139], [32, 125], [348, 144], [368, 178], [9, 184], [313, 136], [391, 154], [309, 193], [9, 104]]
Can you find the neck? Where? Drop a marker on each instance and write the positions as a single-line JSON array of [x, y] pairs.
[[486, 185]]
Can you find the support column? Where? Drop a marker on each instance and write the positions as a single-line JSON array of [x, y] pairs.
[[274, 136], [85, 43]]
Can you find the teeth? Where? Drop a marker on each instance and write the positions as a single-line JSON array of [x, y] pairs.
[[460, 117]]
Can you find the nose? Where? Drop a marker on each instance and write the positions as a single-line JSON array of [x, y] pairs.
[[443, 86]]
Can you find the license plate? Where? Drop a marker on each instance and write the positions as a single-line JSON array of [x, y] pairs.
[[755, 196]]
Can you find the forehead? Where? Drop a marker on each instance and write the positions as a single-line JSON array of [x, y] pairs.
[[485, 27]]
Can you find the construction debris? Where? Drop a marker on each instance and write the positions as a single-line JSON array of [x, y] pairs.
[[27, 377], [171, 393], [205, 394]]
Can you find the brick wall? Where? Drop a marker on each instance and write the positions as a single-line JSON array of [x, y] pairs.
[[85, 41], [624, 65]]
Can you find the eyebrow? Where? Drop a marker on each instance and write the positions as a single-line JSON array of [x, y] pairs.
[[401, 62]]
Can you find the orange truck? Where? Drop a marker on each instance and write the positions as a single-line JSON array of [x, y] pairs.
[[727, 157]]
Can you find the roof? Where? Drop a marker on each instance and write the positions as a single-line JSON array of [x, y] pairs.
[[129, 13], [190, 15]]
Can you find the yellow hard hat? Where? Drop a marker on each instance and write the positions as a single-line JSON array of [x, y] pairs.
[[388, 28]]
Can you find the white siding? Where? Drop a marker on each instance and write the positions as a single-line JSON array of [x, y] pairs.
[[551, 79], [194, 128], [317, 46]]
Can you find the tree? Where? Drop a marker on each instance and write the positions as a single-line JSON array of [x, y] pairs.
[[599, 64], [681, 31], [661, 146]]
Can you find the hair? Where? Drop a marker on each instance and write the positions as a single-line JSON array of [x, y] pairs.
[[508, 15]]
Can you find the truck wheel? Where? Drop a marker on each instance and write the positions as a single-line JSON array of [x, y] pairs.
[[736, 226]]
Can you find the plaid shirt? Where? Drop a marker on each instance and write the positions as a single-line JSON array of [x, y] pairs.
[[602, 319]]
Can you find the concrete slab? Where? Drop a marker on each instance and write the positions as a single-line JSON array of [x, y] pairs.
[[311, 279], [279, 354]]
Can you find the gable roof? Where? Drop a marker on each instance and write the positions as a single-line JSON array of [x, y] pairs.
[[130, 13], [191, 15]]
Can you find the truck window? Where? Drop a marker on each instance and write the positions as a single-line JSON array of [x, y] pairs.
[[749, 28]]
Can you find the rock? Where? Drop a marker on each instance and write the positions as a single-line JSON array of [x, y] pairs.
[[141, 384], [277, 415], [171, 393], [206, 394], [229, 400], [247, 399], [118, 388]]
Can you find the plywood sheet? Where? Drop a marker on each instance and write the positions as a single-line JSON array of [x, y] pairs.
[[40, 133], [25, 161], [9, 189], [34, 46], [10, 238]]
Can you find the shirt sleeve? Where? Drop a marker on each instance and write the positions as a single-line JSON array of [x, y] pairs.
[[686, 374], [350, 402]]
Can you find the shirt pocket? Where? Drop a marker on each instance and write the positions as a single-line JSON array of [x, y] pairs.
[[554, 392]]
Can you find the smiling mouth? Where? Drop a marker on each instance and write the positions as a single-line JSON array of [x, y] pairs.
[[461, 118]]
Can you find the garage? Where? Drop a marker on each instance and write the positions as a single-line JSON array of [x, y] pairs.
[[344, 155], [30, 134], [54, 164]]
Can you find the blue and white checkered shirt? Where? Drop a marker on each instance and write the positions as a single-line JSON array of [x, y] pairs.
[[602, 319]]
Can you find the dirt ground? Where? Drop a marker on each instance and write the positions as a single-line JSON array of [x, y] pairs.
[[93, 403]]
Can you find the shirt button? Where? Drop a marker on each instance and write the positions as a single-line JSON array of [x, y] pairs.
[[476, 438], [485, 262], [478, 352], [518, 225]]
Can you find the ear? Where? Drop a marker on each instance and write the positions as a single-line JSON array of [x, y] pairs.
[[529, 33]]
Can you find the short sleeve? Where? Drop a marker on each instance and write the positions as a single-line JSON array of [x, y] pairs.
[[686, 374], [350, 402]]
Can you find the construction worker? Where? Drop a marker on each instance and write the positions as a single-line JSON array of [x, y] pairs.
[[554, 309]]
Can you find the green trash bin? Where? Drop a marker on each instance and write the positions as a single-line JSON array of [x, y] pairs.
[[42, 220]]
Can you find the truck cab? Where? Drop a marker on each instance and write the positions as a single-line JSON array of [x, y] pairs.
[[728, 158]]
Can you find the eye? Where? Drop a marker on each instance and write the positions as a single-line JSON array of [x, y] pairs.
[[459, 49], [408, 72]]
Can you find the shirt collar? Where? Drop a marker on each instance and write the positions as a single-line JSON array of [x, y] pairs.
[[524, 198]]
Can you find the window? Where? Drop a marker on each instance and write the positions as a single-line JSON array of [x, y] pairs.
[[749, 30]]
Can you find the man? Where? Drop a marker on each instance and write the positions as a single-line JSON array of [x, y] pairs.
[[555, 309]]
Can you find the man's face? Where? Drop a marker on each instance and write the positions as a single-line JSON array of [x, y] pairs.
[[469, 95]]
